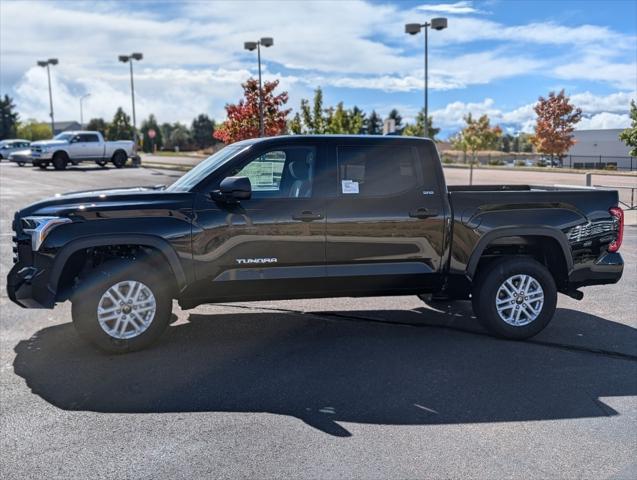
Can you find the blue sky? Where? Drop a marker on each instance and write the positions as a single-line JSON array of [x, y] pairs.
[[496, 57]]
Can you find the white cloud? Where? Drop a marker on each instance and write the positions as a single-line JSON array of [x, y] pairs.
[[193, 61], [604, 120], [457, 8], [599, 111]]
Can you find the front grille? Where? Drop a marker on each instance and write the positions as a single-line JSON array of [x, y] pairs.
[[592, 229]]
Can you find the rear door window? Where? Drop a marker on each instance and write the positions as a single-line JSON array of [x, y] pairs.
[[88, 137], [377, 170]]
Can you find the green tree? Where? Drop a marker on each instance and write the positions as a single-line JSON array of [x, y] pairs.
[[296, 125], [150, 144], [97, 125], [629, 136], [314, 119], [120, 128], [34, 130], [478, 135], [203, 129], [398, 121], [342, 121], [418, 129], [374, 124], [8, 118], [180, 137]]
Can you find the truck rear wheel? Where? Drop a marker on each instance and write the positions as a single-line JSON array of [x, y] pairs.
[[119, 159], [514, 298], [60, 160], [122, 306]]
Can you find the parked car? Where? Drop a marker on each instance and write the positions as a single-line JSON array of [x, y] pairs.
[[76, 147], [7, 147], [21, 157], [312, 216]]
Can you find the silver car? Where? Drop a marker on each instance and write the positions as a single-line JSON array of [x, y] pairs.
[[7, 147]]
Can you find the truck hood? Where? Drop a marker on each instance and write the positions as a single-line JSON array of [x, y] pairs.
[[48, 143], [111, 203]]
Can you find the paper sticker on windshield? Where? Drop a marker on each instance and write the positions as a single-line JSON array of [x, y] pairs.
[[349, 186]]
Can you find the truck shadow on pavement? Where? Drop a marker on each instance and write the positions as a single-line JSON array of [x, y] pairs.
[[327, 371]]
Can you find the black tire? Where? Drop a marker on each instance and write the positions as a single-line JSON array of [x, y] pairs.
[[21, 164], [485, 293], [60, 160], [43, 165], [93, 286], [119, 159]]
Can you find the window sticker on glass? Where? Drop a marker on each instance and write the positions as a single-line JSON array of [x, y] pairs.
[[349, 186]]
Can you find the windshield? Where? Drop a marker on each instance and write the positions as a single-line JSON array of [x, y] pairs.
[[205, 168], [64, 136]]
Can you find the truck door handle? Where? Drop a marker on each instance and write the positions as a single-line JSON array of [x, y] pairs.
[[307, 216], [423, 213]]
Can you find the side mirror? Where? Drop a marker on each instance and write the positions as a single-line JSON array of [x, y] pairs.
[[75, 139], [234, 189]]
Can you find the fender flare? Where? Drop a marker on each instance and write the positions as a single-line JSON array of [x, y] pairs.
[[152, 241], [519, 232]]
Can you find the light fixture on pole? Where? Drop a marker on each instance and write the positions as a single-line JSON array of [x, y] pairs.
[[414, 29], [129, 59], [265, 42], [46, 64], [82, 109]]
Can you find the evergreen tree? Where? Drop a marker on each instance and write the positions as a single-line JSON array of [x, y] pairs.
[[203, 129], [374, 124], [97, 125], [8, 118], [150, 144], [120, 128]]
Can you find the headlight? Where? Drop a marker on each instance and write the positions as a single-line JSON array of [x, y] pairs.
[[40, 227]]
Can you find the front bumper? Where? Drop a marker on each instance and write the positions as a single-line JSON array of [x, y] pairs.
[[37, 157], [27, 286], [608, 268]]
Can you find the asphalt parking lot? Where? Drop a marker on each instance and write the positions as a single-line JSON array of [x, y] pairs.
[[332, 388]]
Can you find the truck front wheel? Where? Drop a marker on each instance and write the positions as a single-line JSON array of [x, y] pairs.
[[121, 306], [60, 160], [119, 159], [514, 298]]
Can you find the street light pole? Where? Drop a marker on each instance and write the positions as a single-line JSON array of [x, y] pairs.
[[266, 42], [413, 29], [47, 63], [132, 92], [261, 126], [82, 109], [129, 59]]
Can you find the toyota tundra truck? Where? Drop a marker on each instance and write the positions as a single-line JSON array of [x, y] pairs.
[[312, 216], [76, 147]]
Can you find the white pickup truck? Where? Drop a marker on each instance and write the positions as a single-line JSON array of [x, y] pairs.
[[78, 146]]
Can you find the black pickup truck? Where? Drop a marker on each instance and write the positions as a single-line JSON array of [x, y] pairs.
[[312, 216]]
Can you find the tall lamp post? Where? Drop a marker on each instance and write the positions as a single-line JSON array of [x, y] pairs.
[[265, 42], [129, 59], [82, 109], [413, 29], [46, 64]]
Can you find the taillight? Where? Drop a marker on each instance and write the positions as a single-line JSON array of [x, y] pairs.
[[618, 214]]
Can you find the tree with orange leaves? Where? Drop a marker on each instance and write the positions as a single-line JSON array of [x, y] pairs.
[[556, 119], [243, 117]]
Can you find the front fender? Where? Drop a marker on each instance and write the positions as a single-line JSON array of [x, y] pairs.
[[152, 241]]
